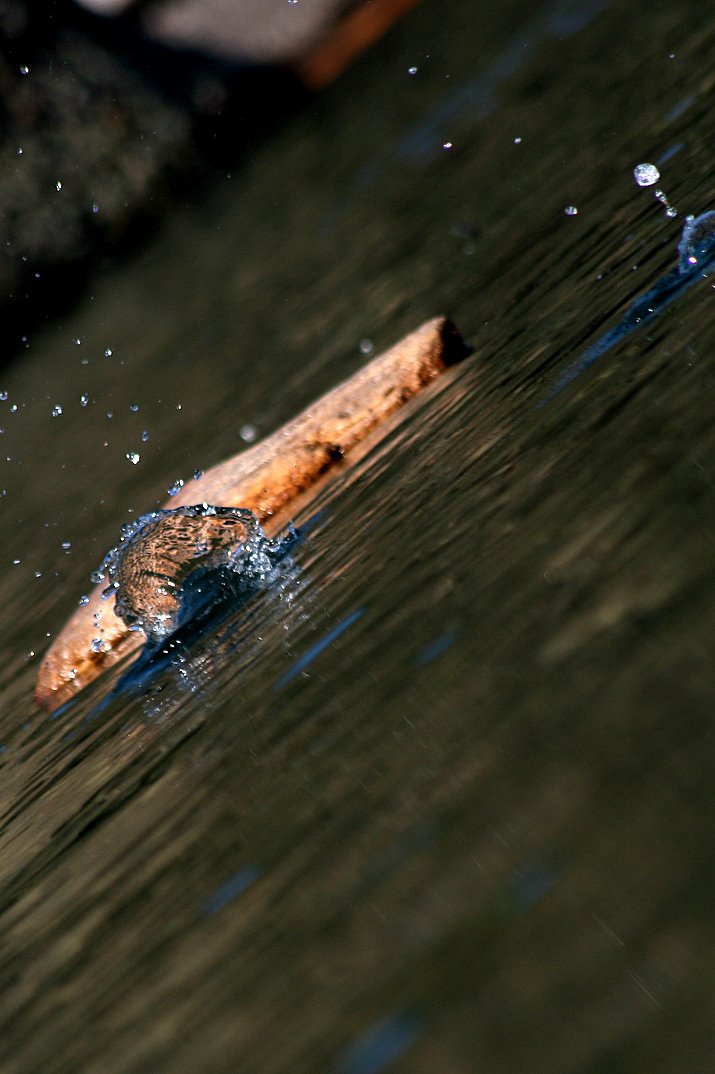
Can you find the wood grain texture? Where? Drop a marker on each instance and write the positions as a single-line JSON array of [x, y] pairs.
[[266, 479]]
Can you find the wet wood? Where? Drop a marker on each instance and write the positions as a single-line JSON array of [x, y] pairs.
[[266, 479]]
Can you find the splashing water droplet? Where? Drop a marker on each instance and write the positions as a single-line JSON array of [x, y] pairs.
[[248, 433], [411, 70], [83, 601], [172, 565], [669, 210], [646, 174], [366, 346], [198, 474], [56, 410], [133, 457], [83, 399], [176, 486], [571, 210]]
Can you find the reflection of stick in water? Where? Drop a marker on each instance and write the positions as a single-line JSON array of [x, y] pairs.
[[265, 479]]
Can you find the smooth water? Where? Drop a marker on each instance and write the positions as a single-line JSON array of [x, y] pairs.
[[440, 799]]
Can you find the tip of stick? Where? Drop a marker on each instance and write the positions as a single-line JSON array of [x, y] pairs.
[[454, 349]]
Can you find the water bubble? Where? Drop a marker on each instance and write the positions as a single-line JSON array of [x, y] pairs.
[[646, 174], [97, 576], [517, 140], [38, 574], [24, 70], [66, 545], [108, 352], [145, 436], [97, 645], [83, 399], [176, 486], [58, 186], [56, 410], [571, 210], [366, 346], [411, 70], [134, 407], [20, 151], [447, 145], [133, 457], [3, 396], [13, 409], [248, 433]]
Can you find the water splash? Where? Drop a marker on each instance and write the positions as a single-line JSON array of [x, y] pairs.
[[173, 566], [648, 175], [696, 253]]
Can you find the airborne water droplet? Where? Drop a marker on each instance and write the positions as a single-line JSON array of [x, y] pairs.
[[176, 486], [646, 174], [56, 410]]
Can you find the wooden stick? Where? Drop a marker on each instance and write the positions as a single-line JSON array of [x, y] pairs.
[[265, 478]]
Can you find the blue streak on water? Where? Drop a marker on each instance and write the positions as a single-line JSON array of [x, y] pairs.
[[230, 890], [435, 648], [315, 650], [670, 152], [532, 885], [679, 108], [696, 253], [383, 1043]]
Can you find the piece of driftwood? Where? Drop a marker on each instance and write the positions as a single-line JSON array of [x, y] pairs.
[[266, 478]]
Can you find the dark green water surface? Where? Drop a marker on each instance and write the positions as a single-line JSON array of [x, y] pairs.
[[442, 801]]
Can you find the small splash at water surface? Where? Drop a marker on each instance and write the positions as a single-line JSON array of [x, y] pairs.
[[696, 254], [172, 566]]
